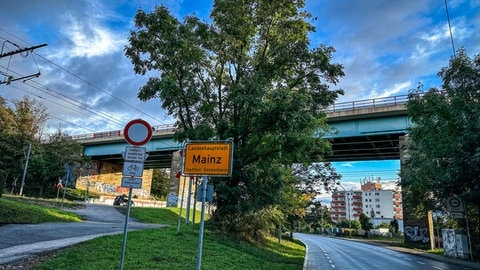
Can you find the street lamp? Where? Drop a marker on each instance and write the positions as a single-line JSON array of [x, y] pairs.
[[348, 210]]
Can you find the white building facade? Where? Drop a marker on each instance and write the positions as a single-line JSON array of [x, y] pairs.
[[378, 203], [370, 200]]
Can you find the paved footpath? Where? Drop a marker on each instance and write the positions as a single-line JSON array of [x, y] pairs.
[[18, 241]]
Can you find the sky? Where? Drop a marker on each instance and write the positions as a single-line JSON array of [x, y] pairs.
[[88, 85]]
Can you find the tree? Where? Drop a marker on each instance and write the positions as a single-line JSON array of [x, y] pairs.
[[249, 76], [7, 122], [24, 124], [160, 181], [365, 222], [394, 225], [315, 178], [318, 214], [21, 125], [49, 164], [444, 142]]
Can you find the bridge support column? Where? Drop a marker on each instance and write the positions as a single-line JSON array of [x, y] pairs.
[[174, 184], [416, 229]]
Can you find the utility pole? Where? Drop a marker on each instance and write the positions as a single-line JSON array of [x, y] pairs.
[[8, 78], [25, 169], [20, 50]]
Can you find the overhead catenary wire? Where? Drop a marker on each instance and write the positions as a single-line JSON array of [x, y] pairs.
[[449, 27], [56, 94], [100, 89], [85, 81], [62, 120]]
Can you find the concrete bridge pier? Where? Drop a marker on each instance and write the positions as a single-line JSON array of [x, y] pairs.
[[174, 192]]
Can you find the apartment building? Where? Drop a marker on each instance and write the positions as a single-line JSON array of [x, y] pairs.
[[370, 200]]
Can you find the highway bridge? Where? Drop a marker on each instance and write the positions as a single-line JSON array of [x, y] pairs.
[[361, 130]]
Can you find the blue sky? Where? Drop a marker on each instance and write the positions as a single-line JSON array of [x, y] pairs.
[[88, 85]]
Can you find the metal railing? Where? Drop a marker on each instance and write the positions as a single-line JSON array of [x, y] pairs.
[[119, 133], [337, 107], [368, 103]]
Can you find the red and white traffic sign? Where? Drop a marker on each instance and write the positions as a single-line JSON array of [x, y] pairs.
[[137, 132]]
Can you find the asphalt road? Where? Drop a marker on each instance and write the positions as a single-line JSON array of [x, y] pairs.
[[18, 241], [335, 253]]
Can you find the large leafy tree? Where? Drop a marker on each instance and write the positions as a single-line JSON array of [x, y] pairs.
[[251, 76], [444, 142], [7, 122], [48, 162], [21, 125]]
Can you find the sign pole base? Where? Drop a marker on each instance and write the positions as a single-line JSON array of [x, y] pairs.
[[202, 219], [125, 228]]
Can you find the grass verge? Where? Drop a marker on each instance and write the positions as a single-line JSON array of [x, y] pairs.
[[15, 211], [166, 249]]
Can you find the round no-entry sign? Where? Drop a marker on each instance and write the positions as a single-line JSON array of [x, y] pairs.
[[137, 132]]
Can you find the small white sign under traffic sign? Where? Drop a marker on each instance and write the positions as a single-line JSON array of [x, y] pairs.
[[457, 215], [133, 153], [131, 182], [134, 169]]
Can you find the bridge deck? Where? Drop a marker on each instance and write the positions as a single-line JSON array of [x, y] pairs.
[[367, 130]]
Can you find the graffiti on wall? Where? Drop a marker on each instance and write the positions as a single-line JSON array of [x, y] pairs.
[[449, 243], [172, 199], [417, 234], [116, 189]]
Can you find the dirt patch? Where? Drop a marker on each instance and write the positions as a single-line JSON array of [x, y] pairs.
[[31, 262]]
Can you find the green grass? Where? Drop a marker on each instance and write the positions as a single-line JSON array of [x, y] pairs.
[[14, 211], [166, 249], [167, 215], [437, 251]]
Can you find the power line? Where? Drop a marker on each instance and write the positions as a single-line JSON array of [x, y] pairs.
[[450, 28], [64, 98], [63, 120], [85, 81], [98, 88]]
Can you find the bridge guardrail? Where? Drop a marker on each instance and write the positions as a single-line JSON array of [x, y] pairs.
[[112, 134], [367, 103], [337, 107]]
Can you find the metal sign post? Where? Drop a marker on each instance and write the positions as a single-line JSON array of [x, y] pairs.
[[207, 158], [202, 219], [181, 207], [137, 133], [65, 178], [125, 228]]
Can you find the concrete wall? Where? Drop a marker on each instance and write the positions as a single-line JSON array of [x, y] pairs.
[[106, 178]]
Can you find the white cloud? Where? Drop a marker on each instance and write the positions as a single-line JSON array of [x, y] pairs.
[[397, 88], [91, 40]]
